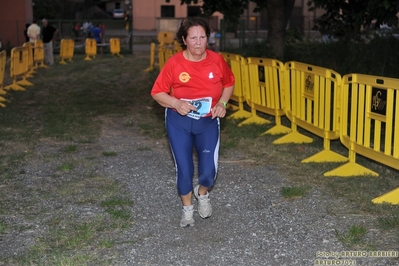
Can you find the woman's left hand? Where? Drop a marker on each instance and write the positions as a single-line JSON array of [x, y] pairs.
[[218, 110]]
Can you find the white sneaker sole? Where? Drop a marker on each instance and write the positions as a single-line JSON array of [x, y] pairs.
[[196, 195]]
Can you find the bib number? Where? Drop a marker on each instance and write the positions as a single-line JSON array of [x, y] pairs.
[[202, 105]]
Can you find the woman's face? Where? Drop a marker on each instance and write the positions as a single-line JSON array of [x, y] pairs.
[[196, 40]]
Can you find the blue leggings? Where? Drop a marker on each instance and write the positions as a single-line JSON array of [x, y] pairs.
[[184, 135]]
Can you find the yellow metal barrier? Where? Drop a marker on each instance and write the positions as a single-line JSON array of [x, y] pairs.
[[3, 58], [38, 55], [312, 102], [115, 46], [237, 65], [370, 119], [31, 64], [168, 54], [390, 197], [90, 49], [152, 58], [161, 55], [18, 67], [166, 37], [27, 73], [264, 93], [67, 50], [176, 47], [164, 53]]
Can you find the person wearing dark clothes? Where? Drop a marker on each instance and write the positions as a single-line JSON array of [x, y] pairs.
[[49, 33], [26, 32], [97, 34]]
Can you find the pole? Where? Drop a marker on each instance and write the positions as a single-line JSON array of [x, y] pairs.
[[131, 27]]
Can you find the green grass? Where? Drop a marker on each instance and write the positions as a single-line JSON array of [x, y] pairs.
[[71, 148], [63, 112], [109, 153], [66, 167], [67, 239], [388, 223], [294, 192], [106, 243], [353, 237], [2, 227], [149, 129], [116, 207]]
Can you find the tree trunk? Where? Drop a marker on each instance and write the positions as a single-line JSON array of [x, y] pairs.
[[288, 7], [279, 12]]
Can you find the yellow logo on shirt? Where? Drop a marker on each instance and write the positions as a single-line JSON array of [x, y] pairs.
[[184, 77]]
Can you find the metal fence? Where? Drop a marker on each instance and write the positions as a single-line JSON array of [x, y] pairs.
[[230, 37], [66, 30], [111, 29]]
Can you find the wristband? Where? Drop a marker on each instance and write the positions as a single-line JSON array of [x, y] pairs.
[[224, 103]]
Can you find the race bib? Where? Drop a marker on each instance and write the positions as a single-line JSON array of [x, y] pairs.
[[203, 106]]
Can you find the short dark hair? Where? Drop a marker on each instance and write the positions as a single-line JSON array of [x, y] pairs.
[[188, 23]]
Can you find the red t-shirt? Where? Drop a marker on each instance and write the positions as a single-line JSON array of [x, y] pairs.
[[193, 80]]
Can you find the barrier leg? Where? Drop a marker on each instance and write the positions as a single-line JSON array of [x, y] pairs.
[[326, 155], [390, 197], [278, 128], [87, 58], [2, 100], [29, 74], [152, 58], [254, 119], [14, 86], [351, 169], [24, 81], [293, 137], [41, 64], [241, 113]]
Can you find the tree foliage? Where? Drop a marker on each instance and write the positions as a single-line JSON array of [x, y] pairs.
[[231, 9], [279, 13], [60, 9], [349, 18]]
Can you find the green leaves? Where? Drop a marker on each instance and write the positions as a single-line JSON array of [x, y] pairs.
[[231, 9], [350, 18]]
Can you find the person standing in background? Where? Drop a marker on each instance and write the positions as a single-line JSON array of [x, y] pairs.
[[102, 27], [33, 31], [76, 29], [97, 35], [26, 32], [212, 40], [127, 22], [49, 33]]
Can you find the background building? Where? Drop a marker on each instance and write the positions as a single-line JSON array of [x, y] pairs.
[[146, 15], [14, 14]]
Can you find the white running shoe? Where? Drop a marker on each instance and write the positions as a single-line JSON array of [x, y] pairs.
[[204, 204], [187, 219]]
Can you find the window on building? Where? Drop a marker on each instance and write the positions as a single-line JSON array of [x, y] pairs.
[[168, 11], [193, 11]]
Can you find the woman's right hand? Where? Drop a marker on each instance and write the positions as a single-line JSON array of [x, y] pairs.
[[183, 107]]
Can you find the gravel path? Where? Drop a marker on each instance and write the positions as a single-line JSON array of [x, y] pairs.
[[252, 224]]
